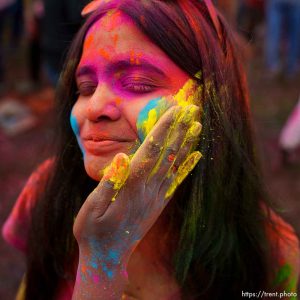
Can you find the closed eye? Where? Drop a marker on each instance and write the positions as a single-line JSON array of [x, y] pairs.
[[138, 85], [139, 88], [86, 88]]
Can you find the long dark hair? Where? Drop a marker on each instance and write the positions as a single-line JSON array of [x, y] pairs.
[[222, 247]]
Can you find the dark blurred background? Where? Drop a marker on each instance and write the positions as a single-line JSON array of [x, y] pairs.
[[34, 36]]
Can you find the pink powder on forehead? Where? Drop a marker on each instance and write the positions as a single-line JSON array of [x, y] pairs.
[[114, 19], [105, 54]]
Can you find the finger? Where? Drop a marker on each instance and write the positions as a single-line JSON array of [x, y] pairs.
[[114, 177], [151, 113], [149, 152], [184, 169], [174, 141], [188, 145]]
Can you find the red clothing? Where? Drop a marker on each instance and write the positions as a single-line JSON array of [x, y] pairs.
[[15, 229]]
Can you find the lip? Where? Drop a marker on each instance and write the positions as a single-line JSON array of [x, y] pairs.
[[98, 145]]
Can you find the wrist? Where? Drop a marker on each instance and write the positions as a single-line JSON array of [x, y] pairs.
[[97, 279], [102, 261]]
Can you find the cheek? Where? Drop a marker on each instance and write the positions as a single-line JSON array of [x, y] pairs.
[[77, 117], [75, 125], [150, 114]]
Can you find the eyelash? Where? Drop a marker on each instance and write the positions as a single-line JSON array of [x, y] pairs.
[[139, 88], [137, 85], [86, 89]]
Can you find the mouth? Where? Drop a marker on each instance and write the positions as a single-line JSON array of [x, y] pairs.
[[98, 145]]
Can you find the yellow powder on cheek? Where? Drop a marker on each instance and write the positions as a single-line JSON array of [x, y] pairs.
[[186, 95], [151, 121]]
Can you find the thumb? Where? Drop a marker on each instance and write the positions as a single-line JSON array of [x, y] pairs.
[[114, 177]]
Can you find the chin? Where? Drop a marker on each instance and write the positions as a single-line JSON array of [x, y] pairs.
[[95, 165]]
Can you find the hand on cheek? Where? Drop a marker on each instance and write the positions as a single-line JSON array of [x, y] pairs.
[[155, 108], [141, 187]]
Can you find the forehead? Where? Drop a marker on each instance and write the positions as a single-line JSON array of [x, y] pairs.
[[115, 35]]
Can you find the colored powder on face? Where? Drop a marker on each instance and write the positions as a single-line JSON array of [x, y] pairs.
[[115, 39], [74, 125], [75, 128], [88, 41], [118, 101], [104, 53], [111, 20], [186, 116], [186, 95], [149, 115], [135, 58]]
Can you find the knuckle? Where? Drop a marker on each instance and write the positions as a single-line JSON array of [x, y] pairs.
[[183, 126], [170, 151], [153, 148], [170, 118]]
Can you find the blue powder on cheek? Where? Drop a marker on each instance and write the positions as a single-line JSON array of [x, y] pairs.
[[74, 125], [143, 116], [75, 128]]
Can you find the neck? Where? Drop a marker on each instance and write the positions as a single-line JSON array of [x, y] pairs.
[[160, 242]]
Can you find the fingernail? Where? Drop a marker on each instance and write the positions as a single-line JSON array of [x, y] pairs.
[[188, 166], [194, 159], [187, 114], [117, 172], [194, 130]]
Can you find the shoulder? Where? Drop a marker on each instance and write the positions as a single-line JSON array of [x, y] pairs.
[[15, 228], [285, 246]]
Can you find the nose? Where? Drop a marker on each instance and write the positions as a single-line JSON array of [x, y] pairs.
[[102, 105]]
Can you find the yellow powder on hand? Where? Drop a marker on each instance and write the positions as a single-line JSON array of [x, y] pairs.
[[117, 172], [185, 168]]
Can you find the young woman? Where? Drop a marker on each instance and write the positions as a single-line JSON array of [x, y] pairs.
[[126, 208]]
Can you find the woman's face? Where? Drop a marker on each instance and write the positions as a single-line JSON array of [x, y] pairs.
[[119, 73]]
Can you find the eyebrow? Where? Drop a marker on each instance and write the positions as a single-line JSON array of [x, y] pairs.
[[121, 65], [142, 63], [84, 70]]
